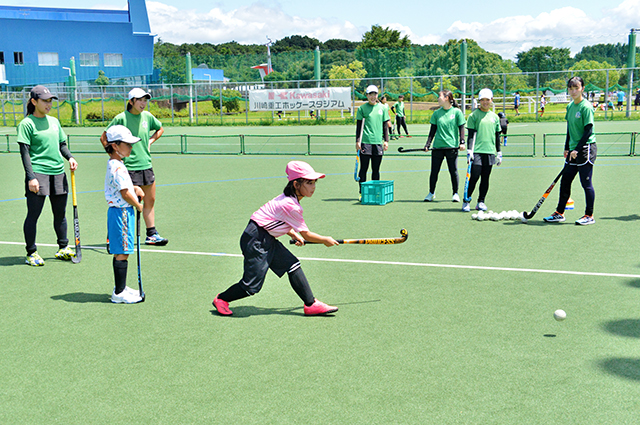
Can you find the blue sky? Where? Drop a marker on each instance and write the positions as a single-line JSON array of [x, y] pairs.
[[508, 29]]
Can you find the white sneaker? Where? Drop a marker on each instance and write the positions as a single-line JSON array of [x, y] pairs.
[[455, 198], [132, 291], [480, 206], [430, 197], [125, 297], [466, 207]]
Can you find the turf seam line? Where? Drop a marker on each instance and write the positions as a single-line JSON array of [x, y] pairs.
[[390, 263]]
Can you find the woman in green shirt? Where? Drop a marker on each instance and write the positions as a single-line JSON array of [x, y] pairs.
[[447, 135], [372, 134], [484, 148], [43, 147], [580, 153], [148, 128]]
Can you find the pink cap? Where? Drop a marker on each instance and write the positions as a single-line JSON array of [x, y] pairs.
[[300, 169]]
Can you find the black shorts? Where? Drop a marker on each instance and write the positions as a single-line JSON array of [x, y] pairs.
[[620, 103], [586, 155], [262, 252], [142, 177], [50, 185], [371, 149], [484, 159]]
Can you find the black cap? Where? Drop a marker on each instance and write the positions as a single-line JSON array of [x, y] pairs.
[[41, 92]]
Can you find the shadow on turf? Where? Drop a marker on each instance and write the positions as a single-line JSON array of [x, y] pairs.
[[249, 310], [626, 327], [625, 367], [12, 261], [83, 297], [632, 217]]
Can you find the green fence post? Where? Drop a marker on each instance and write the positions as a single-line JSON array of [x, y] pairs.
[[308, 144], [242, 152]]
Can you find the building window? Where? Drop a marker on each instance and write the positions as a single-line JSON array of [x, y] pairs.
[[18, 58], [113, 59], [47, 59], [1, 58], [89, 59]]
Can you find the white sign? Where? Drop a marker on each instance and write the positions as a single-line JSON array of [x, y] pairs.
[[300, 99]]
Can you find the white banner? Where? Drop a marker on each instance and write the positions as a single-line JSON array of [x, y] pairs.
[[300, 99]]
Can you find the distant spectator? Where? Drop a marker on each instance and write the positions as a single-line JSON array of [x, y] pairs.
[[636, 101], [516, 103], [543, 103], [620, 95]]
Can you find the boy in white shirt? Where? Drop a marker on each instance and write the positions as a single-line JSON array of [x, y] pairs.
[[122, 196]]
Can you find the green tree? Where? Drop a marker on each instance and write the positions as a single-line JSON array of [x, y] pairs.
[[102, 79], [598, 77], [543, 58], [354, 71], [383, 38], [383, 52], [615, 54]]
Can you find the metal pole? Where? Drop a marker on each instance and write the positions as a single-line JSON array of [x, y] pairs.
[[606, 95], [504, 94]]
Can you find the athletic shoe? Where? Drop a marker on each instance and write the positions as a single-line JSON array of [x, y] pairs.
[[585, 220], [156, 240], [430, 197], [132, 291], [466, 207], [65, 254], [125, 297], [556, 217], [35, 260], [480, 206], [222, 306], [318, 307], [408, 135], [455, 198]]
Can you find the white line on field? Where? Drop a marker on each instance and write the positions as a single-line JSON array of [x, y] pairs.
[[389, 263]]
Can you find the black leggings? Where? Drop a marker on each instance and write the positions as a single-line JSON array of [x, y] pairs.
[[376, 160], [400, 123], [481, 172], [35, 203], [586, 177], [437, 156]]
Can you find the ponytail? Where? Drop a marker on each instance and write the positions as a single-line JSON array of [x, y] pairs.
[[31, 108], [449, 95]]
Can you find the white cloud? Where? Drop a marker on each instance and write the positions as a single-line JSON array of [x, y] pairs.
[[246, 25]]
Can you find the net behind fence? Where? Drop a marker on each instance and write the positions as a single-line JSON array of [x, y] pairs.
[[609, 144], [212, 144], [283, 144]]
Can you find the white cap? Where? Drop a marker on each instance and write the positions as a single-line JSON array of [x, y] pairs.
[[138, 93], [372, 89], [120, 133], [485, 94]]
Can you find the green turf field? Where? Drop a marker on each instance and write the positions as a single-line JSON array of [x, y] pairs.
[[455, 326]]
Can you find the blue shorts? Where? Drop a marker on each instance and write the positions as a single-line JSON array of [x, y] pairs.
[[121, 226]]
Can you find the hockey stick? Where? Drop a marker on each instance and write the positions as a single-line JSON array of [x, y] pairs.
[[76, 224], [401, 149], [383, 241], [138, 251], [544, 196], [355, 173], [466, 183]]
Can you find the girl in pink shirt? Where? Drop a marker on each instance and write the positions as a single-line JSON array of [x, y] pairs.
[[262, 251]]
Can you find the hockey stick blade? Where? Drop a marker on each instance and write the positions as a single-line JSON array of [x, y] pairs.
[[403, 150], [380, 241], [543, 198]]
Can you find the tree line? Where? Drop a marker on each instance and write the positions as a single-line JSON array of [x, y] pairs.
[[384, 53]]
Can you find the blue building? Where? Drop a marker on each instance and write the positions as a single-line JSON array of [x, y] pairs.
[[36, 44]]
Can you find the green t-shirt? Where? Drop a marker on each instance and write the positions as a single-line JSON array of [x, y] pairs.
[[374, 116], [486, 124], [141, 126], [578, 117], [448, 122], [43, 135], [399, 108]]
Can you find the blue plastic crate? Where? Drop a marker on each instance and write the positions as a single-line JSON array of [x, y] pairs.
[[377, 192]]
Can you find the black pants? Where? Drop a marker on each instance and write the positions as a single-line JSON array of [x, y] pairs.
[[35, 203], [375, 160], [586, 174], [401, 124], [480, 170], [437, 156]]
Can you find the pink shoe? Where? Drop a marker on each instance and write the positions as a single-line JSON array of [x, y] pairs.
[[318, 307], [222, 306]]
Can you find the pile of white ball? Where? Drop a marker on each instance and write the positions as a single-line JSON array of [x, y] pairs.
[[494, 216]]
